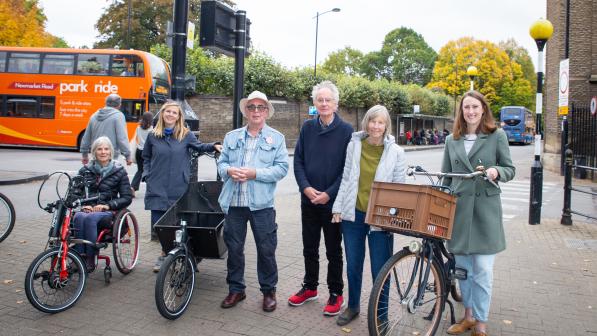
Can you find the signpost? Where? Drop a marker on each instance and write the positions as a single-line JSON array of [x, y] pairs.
[[564, 87]]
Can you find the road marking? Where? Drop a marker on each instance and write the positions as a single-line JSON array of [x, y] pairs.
[[523, 200]]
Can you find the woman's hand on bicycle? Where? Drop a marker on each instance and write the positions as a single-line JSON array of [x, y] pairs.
[[492, 174], [336, 218], [95, 208]]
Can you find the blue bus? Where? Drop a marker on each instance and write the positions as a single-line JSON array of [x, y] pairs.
[[518, 123]]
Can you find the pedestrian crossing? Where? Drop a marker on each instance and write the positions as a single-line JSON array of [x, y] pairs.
[[515, 197]]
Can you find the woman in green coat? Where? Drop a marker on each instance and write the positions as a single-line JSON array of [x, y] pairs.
[[478, 233]]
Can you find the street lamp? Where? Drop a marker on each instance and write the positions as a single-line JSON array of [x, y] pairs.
[[316, 31], [540, 31], [472, 72]]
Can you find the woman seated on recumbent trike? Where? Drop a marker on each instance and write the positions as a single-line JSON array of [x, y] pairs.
[[106, 178]]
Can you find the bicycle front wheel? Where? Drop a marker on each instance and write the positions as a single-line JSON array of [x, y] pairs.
[[174, 285], [7, 217], [51, 288], [395, 308]]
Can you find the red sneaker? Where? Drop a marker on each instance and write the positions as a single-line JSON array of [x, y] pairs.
[[303, 296], [334, 305]]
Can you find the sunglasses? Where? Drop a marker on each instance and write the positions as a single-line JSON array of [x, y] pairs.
[[260, 108]]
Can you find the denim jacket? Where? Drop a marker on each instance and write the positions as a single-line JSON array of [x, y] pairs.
[[270, 161]]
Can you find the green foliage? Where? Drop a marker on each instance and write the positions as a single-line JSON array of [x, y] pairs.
[[347, 61], [215, 75], [404, 57], [500, 78], [148, 23]]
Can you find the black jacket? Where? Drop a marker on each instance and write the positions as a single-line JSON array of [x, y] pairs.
[[114, 189]]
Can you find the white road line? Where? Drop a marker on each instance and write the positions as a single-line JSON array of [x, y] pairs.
[[507, 216], [515, 199]]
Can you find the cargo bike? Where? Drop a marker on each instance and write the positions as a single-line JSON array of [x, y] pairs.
[[191, 230], [410, 292]]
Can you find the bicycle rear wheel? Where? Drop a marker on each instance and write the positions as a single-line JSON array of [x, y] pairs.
[[393, 307], [174, 285], [7, 217]]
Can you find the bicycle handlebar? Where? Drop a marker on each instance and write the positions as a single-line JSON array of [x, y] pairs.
[[480, 171], [417, 170]]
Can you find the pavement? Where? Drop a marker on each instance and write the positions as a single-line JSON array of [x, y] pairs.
[[545, 283]]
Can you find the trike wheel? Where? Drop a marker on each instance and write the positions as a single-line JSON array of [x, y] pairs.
[[393, 307], [125, 243], [51, 288], [174, 285], [7, 217]]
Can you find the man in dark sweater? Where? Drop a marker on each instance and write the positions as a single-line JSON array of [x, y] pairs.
[[318, 164]]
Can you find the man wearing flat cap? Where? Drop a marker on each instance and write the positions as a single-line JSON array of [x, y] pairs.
[[254, 158]]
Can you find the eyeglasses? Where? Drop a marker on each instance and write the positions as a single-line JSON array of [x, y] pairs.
[[325, 100], [260, 108]]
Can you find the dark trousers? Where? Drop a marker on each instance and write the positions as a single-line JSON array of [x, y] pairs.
[[85, 224], [137, 178], [314, 220], [264, 227], [155, 216]]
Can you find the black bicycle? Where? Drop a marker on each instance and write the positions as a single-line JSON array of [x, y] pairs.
[[191, 230], [7, 217], [411, 290]]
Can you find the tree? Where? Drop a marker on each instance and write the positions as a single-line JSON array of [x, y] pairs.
[[404, 57], [500, 79], [344, 61], [23, 25], [521, 56], [148, 23]]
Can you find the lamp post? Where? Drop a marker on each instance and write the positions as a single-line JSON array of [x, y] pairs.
[[316, 31], [472, 72], [540, 31]]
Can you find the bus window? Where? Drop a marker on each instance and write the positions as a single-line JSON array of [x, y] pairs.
[[90, 64], [2, 61], [127, 65], [23, 63], [22, 107], [132, 109], [48, 107], [28, 107], [58, 64]]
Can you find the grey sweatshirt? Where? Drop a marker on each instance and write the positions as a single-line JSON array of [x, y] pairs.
[[108, 122]]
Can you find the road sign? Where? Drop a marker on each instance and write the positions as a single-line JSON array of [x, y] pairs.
[[564, 87], [190, 35], [312, 111], [594, 105], [416, 108]]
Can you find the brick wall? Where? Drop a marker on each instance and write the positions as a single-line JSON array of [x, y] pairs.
[[215, 117]]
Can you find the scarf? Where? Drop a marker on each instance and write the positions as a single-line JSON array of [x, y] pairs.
[[102, 171], [168, 131]]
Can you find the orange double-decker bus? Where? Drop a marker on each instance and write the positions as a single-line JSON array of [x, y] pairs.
[[47, 95]]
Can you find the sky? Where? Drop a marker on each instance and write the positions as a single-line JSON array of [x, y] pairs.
[[285, 29]]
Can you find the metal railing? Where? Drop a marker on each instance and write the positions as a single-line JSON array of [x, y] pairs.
[[568, 189]]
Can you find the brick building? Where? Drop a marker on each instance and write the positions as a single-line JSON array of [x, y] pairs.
[[583, 67]]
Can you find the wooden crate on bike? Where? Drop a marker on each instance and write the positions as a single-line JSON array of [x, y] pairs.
[[415, 210]]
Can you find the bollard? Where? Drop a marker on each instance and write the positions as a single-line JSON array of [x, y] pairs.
[[536, 190], [566, 216]]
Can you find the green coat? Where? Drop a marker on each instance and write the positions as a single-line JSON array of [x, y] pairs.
[[478, 227]]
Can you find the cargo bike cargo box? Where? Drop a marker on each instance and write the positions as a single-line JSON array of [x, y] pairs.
[[199, 207], [414, 210]]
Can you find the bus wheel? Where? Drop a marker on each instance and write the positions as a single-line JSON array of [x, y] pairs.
[[79, 140]]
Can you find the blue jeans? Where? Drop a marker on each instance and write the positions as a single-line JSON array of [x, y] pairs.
[[264, 227], [85, 224], [476, 289], [381, 244]]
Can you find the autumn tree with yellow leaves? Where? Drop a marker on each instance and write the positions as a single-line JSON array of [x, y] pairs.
[[500, 78], [23, 25]]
